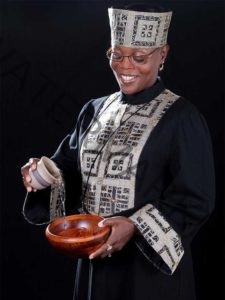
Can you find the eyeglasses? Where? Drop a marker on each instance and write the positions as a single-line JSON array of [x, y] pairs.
[[134, 59]]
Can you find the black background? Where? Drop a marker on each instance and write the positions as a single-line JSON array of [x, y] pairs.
[[52, 61]]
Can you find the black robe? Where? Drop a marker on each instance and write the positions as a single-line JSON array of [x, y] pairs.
[[177, 179]]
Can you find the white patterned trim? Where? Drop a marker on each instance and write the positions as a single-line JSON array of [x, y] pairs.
[[110, 152], [138, 29], [159, 235], [57, 199]]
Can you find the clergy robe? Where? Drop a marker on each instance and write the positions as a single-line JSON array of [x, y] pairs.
[[147, 157]]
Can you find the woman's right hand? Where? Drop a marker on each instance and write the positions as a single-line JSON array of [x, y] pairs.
[[31, 164]]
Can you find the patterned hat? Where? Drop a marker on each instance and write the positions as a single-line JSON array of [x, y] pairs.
[[137, 29]]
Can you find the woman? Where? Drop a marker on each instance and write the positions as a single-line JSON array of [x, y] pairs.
[[144, 161]]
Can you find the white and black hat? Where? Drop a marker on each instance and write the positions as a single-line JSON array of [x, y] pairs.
[[137, 29]]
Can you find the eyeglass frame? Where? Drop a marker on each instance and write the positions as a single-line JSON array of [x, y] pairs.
[[130, 57]]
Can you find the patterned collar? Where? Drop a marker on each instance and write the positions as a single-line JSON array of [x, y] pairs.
[[146, 95]]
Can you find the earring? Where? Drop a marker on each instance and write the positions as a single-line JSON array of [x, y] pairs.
[[161, 67]]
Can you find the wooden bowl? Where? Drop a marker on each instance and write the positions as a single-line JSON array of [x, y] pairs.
[[77, 235]]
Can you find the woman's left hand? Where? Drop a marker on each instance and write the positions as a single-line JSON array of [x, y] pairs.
[[122, 230]]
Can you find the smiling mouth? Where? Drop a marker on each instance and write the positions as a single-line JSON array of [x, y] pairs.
[[128, 78]]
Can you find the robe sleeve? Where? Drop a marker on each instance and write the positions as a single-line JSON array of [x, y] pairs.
[[166, 224], [36, 207], [43, 206]]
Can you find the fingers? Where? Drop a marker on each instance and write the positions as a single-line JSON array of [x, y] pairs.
[[115, 222], [109, 250], [31, 164], [105, 250], [122, 230]]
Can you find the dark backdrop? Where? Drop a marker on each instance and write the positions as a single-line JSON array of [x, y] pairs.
[[52, 61]]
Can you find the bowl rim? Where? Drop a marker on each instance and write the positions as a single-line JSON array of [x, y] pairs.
[[48, 233]]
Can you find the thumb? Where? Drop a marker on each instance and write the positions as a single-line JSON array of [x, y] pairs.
[[108, 222], [102, 223]]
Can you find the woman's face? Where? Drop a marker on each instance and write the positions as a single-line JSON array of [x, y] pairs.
[[134, 76]]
